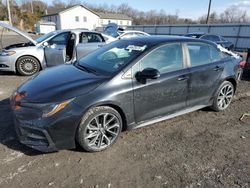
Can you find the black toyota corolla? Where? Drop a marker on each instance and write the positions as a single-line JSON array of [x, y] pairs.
[[124, 85]]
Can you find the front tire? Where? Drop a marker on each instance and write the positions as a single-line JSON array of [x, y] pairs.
[[223, 96], [27, 66], [99, 129]]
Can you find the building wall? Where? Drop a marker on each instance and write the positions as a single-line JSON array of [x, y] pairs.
[[104, 22], [44, 28], [78, 17], [53, 18]]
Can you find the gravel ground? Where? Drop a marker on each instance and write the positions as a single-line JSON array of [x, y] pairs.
[[199, 149]]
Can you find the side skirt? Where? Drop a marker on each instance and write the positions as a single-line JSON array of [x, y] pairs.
[[156, 120]]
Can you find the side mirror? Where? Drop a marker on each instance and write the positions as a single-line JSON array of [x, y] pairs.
[[45, 44], [148, 73]]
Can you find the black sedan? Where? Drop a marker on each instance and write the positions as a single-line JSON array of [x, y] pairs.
[[124, 85], [214, 38]]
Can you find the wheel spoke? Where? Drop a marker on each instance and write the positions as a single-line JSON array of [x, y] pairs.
[[92, 128], [113, 126], [107, 139], [100, 141], [105, 118], [110, 120], [112, 133], [91, 135], [93, 142]]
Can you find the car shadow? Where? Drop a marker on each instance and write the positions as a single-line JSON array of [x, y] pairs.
[[5, 73], [246, 75], [7, 132]]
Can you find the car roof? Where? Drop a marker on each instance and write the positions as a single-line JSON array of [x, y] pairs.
[[75, 31], [156, 40]]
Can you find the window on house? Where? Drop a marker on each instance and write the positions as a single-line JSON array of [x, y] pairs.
[[127, 22], [77, 18], [120, 22], [84, 19]]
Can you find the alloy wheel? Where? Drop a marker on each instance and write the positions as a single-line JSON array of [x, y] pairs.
[[102, 131], [225, 96]]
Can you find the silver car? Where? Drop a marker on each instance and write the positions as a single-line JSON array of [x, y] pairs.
[[54, 48]]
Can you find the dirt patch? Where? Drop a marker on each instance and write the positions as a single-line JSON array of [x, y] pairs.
[[199, 149]]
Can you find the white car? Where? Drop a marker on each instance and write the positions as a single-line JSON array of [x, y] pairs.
[[112, 33], [55, 48]]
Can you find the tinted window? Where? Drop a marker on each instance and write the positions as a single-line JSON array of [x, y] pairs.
[[216, 55], [165, 58], [93, 37], [60, 39], [199, 54], [211, 37], [90, 37]]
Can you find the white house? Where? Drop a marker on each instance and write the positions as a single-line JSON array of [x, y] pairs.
[[79, 16], [45, 27]]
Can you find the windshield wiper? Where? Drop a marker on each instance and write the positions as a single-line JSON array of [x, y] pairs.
[[88, 69]]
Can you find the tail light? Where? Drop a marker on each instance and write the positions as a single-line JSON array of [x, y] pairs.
[[242, 64]]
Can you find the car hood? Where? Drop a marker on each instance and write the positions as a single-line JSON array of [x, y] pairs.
[[23, 34], [58, 84]]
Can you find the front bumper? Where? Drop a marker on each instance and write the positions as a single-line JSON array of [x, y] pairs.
[[33, 137], [47, 134], [7, 63]]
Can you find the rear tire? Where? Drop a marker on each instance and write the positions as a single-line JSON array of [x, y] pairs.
[[99, 129], [27, 65], [223, 96]]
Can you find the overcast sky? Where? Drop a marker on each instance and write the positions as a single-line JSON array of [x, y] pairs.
[[186, 8]]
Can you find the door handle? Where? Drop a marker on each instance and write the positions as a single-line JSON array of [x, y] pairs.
[[182, 78], [100, 45], [218, 68]]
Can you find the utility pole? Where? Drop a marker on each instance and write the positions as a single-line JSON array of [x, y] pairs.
[[31, 4], [9, 14], [208, 11]]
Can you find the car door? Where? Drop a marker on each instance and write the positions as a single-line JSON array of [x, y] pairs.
[[167, 94], [55, 51], [206, 67], [89, 42]]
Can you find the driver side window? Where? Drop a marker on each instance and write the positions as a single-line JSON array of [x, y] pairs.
[[60, 39], [165, 59]]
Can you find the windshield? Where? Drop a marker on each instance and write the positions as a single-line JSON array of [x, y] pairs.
[[113, 57], [44, 37]]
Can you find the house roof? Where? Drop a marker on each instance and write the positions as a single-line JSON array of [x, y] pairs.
[[115, 16], [102, 15], [61, 10]]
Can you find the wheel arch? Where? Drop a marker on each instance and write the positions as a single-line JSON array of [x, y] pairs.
[[233, 81]]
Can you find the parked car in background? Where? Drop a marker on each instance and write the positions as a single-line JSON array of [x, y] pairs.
[[54, 48], [126, 84], [214, 38], [113, 32]]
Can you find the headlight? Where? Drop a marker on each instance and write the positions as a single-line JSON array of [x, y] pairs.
[[53, 109], [47, 109], [7, 53]]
